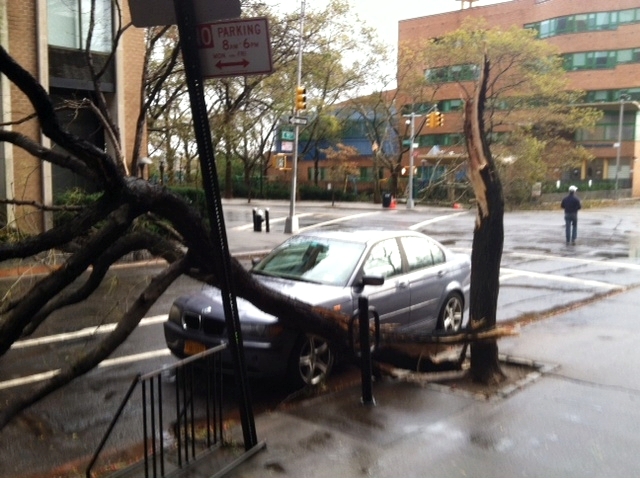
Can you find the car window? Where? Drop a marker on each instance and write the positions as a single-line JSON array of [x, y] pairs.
[[384, 259], [422, 252], [321, 261]]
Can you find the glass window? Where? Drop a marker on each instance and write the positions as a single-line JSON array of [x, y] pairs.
[[563, 25], [545, 28], [69, 21], [627, 16], [579, 61], [366, 174], [454, 105], [422, 252], [312, 259], [384, 259], [625, 56], [602, 20], [600, 59], [582, 22]]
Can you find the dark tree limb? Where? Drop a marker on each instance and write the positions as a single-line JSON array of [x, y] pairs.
[[125, 245], [14, 322], [127, 324]]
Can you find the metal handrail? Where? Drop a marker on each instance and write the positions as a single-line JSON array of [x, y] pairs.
[[153, 416]]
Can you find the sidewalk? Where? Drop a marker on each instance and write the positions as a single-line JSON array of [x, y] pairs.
[[578, 420]]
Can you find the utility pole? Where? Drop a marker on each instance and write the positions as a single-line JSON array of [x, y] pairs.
[[291, 225], [412, 120], [434, 121], [623, 98]]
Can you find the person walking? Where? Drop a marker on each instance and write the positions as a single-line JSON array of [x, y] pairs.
[[571, 205]]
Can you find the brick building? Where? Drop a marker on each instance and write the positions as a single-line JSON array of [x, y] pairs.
[[600, 43], [46, 37]]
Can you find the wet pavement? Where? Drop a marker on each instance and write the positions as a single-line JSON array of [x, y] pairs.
[[576, 415], [577, 418], [574, 418]]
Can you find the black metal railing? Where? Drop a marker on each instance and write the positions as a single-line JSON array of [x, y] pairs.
[[177, 435]]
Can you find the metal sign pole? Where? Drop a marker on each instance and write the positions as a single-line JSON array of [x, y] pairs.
[[291, 225], [186, 21]]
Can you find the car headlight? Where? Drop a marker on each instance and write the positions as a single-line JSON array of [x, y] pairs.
[[261, 330], [175, 314]]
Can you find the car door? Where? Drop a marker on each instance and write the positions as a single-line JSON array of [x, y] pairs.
[[427, 279], [392, 299]]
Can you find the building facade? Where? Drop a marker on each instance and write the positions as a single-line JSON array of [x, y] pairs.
[[47, 38], [600, 44]]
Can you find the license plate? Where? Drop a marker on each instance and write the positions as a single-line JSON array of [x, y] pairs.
[[191, 347]]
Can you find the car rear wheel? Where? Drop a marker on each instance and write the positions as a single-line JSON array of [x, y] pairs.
[[451, 315], [311, 361]]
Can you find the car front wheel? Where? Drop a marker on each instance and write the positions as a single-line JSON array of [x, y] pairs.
[[451, 315], [311, 361]]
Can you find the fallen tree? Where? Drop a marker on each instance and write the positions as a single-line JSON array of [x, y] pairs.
[[115, 225]]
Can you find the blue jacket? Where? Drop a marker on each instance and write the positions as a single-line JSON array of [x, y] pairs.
[[570, 204]]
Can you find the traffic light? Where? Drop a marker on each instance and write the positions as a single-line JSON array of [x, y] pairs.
[[435, 119], [439, 118], [431, 120], [301, 98]]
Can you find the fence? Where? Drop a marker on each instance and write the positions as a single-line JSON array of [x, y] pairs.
[[176, 435]]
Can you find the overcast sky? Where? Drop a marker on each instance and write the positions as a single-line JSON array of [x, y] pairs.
[[384, 15]]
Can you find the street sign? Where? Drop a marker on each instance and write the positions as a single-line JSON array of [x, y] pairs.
[[297, 120], [150, 13], [286, 146], [235, 47], [288, 135]]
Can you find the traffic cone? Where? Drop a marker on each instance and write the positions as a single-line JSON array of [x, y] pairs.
[[393, 203]]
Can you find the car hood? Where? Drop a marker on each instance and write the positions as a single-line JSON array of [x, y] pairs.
[[209, 300]]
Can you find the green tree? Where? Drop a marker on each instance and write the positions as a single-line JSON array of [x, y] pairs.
[[531, 114], [341, 161]]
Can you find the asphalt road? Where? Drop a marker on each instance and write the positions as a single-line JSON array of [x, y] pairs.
[[540, 274]]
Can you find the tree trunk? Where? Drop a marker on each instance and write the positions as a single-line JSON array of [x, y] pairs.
[[488, 238]]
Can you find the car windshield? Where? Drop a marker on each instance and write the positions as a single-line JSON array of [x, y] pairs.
[[317, 260]]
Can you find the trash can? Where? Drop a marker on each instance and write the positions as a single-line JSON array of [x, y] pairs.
[[386, 200]]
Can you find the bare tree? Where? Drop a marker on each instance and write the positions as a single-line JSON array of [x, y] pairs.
[[488, 236]]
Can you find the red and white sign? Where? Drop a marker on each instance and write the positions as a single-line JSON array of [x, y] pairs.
[[235, 48]]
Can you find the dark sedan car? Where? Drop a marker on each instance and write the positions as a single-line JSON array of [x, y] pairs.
[[425, 287]]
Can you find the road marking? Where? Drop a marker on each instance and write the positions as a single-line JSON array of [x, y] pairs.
[[39, 377], [510, 273], [436, 219], [340, 219], [87, 332]]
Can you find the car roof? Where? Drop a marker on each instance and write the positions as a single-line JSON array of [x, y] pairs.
[[362, 236]]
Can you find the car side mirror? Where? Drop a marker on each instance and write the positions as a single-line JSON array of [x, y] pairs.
[[372, 280]]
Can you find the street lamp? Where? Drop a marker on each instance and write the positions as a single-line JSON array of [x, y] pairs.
[[623, 98]]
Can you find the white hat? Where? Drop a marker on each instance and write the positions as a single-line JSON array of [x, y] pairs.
[[572, 189]]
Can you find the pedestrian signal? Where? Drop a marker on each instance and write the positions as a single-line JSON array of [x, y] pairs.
[[280, 161]]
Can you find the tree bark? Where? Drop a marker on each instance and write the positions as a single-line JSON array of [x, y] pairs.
[[488, 237]]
